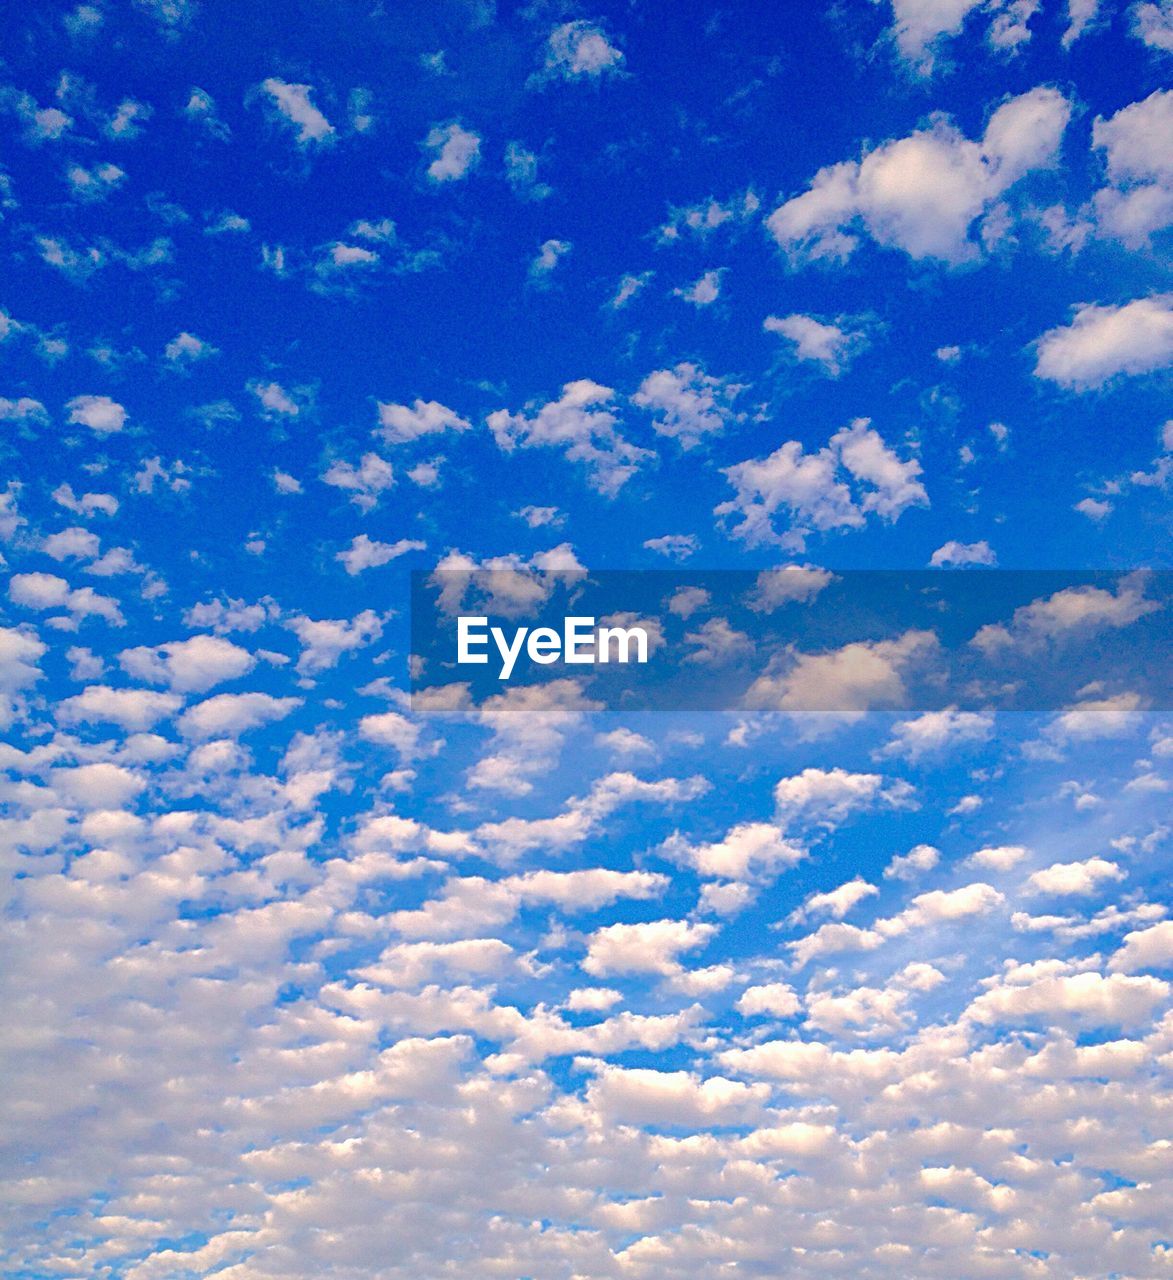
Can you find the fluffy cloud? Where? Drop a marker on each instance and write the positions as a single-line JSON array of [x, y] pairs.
[[292, 102], [133, 709], [843, 683], [1069, 612], [455, 150], [814, 340], [953, 554], [228, 715], [704, 291], [750, 848], [368, 553], [102, 415], [1137, 142], [1074, 877], [772, 999], [1153, 23], [401, 423], [654, 947], [1026, 996], [686, 403], [582, 424], [828, 796], [922, 194], [937, 731], [547, 258], [364, 482], [188, 666], [855, 475], [325, 640], [1106, 342], [580, 50], [1150, 948]]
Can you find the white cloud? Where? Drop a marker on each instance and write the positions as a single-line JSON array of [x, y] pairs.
[[201, 110], [540, 517], [401, 423], [654, 947], [629, 286], [102, 415], [641, 1095], [1080, 15], [521, 172], [907, 866], [771, 999], [953, 553], [855, 475], [1105, 342], [920, 24], [1137, 142], [1071, 611], [837, 902], [131, 709], [1094, 508], [1001, 857], [582, 424], [704, 291], [923, 193], [715, 643], [188, 666], [687, 404], [1064, 878], [1094, 718], [1150, 948], [325, 640], [937, 731], [87, 504], [842, 683], [228, 715], [703, 219], [366, 553], [829, 796], [390, 729], [825, 344], [548, 257], [676, 546], [365, 482], [789, 584], [24, 409], [20, 652], [98, 786], [274, 400], [455, 150], [48, 591], [748, 849], [293, 103], [580, 49], [70, 544], [93, 184], [1088, 999], [1153, 23], [186, 349]]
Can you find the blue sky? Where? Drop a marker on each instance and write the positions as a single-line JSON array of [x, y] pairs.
[[311, 969]]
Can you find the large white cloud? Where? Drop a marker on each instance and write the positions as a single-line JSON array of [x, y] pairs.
[[1105, 341], [855, 475], [923, 193]]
